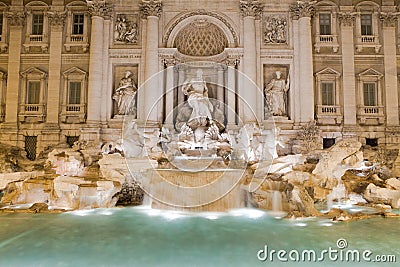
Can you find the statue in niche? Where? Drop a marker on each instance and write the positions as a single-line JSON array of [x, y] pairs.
[[275, 30], [197, 92], [125, 95], [198, 110], [276, 95], [125, 31]]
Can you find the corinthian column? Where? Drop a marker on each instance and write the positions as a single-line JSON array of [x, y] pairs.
[[250, 10], [349, 80], [56, 19], [16, 21], [98, 9], [389, 45], [302, 12], [151, 11]]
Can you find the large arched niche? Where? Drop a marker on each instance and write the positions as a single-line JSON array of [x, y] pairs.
[[182, 21], [201, 38]]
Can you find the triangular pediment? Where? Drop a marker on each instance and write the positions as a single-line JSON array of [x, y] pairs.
[[328, 71], [74, 71], [33, 71], [371, 72]]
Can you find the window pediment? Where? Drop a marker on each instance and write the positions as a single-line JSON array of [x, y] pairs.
[[328, 72], [34, 72], [75, 72], [370, 73]]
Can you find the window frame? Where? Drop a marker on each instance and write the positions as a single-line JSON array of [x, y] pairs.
[[38, 110], [333, 93], [37, 27], [74, 75], [370, 76], [73, 39], [28, 97], [70, 90], [4, 29], [81, 25], [373, 88], [365, 31], [35, 39], [322, 26]]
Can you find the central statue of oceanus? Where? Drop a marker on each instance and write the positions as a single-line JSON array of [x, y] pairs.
[[199, 130]]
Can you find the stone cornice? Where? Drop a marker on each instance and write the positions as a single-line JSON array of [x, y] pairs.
[[347, 18], [389, 19], [303, 9], [57, 18], [251, 8], [151, 8], [99, 8], [16, 18]]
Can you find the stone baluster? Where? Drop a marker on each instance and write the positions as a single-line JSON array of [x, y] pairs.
[[302, 12]]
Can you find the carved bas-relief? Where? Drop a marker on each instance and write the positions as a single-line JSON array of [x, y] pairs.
[[275, 30], [276, 95], [125, 95], [125, 31]]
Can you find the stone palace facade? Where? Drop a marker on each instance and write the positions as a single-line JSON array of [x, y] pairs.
[[63, 63]]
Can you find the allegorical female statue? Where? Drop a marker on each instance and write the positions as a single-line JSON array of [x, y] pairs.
[[275, 93], [125, 94], [197, 92]]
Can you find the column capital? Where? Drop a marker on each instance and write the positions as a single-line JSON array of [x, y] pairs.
[[347, 18], [168, 61], [16, 18], [151, 8], [389, 19], [303, 9], [99, 8], [57, 18], [232, 61], [251, 8]]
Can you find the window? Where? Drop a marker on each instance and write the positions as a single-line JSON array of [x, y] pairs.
[[371, 142], [328, 94], [33, 93], [71, 140], [74, 93], [30, 147], [366, 24], [370, 94], [76, 35], [328, 142], [74, 96], [37, 24], [77, 24], [1, 24], [325, 24]]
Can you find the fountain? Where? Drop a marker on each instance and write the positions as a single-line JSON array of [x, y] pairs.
[[198, 167]]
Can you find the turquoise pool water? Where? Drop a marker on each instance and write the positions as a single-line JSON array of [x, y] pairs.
[[145, 237]]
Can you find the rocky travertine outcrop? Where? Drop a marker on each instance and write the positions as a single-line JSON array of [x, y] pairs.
[[71, 178]]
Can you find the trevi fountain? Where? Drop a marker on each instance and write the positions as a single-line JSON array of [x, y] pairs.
[[198, 193]]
